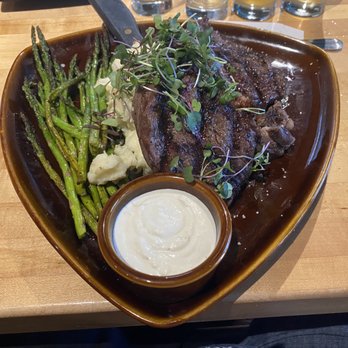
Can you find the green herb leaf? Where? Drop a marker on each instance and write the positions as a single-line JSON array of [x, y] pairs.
[[228, 167], [173, 23], [207, 153], [214, 91], [158, 21], [217, 160], [175, 104], [225, 190], [194, 120], [228, 97], [148, 34], [260, 161], [121, 53], [196, 105], [100, 90], [187, 173], [217, 178], [204, 36], [177, 122], [184, 37], [110, 122], [192, 27], [177, 84], [174, 163], [156, 80]]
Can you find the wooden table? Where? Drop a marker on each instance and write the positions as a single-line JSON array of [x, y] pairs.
[[39, 291]]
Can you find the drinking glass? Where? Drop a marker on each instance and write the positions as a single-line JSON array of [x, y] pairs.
[[304, 8], [213, 9], [151, 7], [255, 10]]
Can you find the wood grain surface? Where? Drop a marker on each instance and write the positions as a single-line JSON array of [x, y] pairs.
[[39, 291]]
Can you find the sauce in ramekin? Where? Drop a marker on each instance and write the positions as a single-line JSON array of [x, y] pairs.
[[164, 232]]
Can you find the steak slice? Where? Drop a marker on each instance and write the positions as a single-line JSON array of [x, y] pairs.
[[256, 77], [217, 125], [159, 140], [232, 133], [183, 143], [244, 144], [149, 124], [258, 67]]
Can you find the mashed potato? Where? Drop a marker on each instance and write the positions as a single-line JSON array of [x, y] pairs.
[[114, 166]]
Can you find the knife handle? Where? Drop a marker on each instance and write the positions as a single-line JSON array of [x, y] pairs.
[[118, 19]]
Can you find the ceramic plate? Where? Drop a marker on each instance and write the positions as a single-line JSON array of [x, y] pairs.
[[264, 215]]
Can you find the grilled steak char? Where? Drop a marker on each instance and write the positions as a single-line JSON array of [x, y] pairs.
[[244, 144], [228, 128], [183, 143], [149, 123], [252, 70], [217, 124]]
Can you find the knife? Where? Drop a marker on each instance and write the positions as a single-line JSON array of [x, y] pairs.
[[118, 20], [327, 44]]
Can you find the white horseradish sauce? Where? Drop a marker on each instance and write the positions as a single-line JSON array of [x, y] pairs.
[[164, 232]]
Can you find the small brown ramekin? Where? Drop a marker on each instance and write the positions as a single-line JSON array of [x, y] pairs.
[[174, 287]]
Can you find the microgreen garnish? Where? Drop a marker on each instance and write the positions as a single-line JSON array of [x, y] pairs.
[[196, 105], [257, 111], [112, 122], [194, 120], [225, 189], [229, 94], [177, 122], [187, 173], [216, 167], [164, 56], [261, 159], [175, 165]]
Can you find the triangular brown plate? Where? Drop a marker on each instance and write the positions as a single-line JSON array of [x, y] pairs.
[[264, 215]]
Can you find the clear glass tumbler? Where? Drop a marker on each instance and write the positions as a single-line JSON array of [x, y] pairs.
[[304, 8], [254, 10], [151, 7], [213, 9]]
